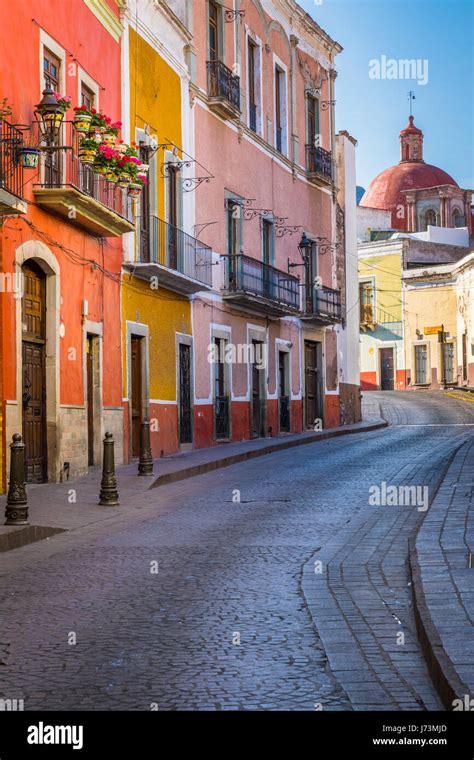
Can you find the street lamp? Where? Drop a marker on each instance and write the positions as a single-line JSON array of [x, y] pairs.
[[49, 115], [304, 246]]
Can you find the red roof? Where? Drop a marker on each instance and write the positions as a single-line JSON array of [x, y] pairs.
[[385, 191]]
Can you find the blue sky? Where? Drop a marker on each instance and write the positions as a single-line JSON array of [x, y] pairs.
[[374, 110]]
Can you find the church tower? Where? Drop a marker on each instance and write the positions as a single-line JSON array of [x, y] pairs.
[[411, 143]]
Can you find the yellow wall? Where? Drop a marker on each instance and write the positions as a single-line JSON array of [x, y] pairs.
[[429, 307], [155, 100], [165, 313], [387, 273]]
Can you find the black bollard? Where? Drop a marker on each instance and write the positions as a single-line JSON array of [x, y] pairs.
[[16, 510], [108, 486], [145, 463]]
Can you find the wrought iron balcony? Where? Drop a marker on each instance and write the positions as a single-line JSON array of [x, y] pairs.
[[260, 287], [11, 170], [318, 163], [69, 185], [323, 305], [180, 262], [223, 89]]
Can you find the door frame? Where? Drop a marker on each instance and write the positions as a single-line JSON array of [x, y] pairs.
[[96, 331], [40, 253], [137, 330], [186, 340]]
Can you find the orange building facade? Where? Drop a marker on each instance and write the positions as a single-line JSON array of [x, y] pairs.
[[60, 244]]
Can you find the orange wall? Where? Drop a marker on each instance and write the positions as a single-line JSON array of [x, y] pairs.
[[87, 42]]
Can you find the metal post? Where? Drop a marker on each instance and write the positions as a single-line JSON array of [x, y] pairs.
[[108, 486], [16, 511], [145, 463]]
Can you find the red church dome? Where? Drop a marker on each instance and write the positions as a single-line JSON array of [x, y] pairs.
[[386, 190]]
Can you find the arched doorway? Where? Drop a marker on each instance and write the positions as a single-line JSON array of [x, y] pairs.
[[33, 324]]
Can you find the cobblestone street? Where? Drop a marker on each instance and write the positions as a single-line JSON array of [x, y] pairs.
[[228, 621]]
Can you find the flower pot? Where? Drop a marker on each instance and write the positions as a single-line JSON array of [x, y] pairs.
[[124, 179], [134, 189], [29, 157], [99, 169], [82, 122], [95, 134], [87, 155], [109, 140], [111, 175]]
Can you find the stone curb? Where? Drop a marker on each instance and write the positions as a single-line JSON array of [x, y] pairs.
[[445, 678], [216, 464], [26, 535]]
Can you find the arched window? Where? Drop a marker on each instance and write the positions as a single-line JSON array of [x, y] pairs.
[[430, 218], [458, 218]]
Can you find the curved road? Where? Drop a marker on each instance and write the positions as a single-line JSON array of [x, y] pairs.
[[195, 600]]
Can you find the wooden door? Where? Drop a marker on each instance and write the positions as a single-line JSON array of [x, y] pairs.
[[464, 358], [172, 216], [185, 423], [137, 394], [386, 369], [34, 381], [145, 219], [283, 393], [90, 400], [313, 384], [257, 406]]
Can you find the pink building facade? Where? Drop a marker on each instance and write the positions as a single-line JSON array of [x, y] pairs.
[[269, 338]]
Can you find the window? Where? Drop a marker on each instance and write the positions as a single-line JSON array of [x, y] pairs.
[[281, 139], [458, 218], [313, 121], [87, 96], [278, 107], [252, 84], [366, 298], [51, 71], [267, 241], [430, 218], [51, 67], [421, 364], [213, 32], [234, 226]]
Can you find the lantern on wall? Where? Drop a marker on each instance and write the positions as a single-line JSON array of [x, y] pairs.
[[49, 115]]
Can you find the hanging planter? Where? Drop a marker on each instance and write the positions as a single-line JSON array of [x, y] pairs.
[[111, 175], [109, 139], [134, 189], [124, 179], [87, 151], [29, 157], [82, 121]]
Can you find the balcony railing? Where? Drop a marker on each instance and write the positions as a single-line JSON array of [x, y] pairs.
[[101, 206], [324, 304], [248, 276], [167, 245], [318, 161], [222, 83], [11, 169]]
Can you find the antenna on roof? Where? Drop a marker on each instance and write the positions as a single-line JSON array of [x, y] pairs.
[[411, 98]]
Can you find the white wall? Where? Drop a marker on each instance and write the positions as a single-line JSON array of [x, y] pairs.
[[448, 235], [371, 219], [349, 335]]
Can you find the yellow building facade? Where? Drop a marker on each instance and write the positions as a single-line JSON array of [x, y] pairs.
[[156, 310]]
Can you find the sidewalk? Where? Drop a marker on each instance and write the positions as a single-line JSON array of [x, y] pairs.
[[442, 565], [58, 507]]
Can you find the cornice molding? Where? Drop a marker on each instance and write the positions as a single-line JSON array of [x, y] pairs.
[[104, 14]]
